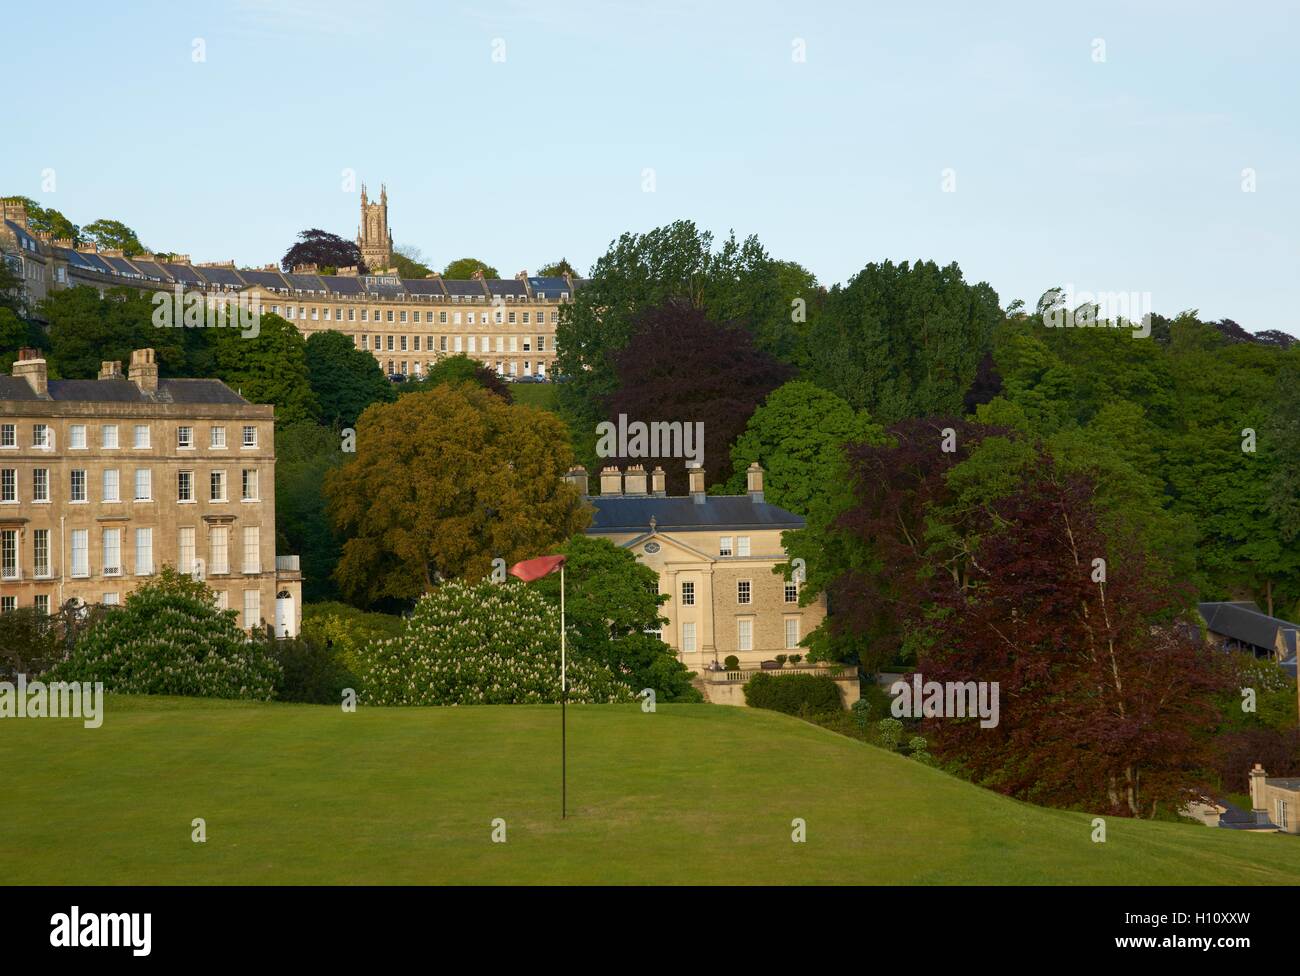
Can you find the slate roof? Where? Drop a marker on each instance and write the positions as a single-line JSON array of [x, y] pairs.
[[123, 391], [632, 513], [1243, 621]]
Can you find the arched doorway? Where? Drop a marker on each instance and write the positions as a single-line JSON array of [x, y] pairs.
[[286, 621]]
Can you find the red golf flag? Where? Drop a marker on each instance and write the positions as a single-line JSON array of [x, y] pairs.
[[535, 569]]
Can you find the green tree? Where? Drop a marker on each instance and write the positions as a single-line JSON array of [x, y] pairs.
[[463, 268], [344, 379], [797, 435], [612, 603], [903, 340], [268, 368], [85, 330], [557, 269], [114, 234], [47, 220], [304, 454], [442, 483], [461, 368], [409, 262], [15, 333]]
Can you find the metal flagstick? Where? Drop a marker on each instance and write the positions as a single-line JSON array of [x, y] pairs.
[[564, 721]]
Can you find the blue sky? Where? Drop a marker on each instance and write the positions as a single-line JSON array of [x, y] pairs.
[[1115, 175]]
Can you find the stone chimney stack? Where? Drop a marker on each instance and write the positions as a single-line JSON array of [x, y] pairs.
[[634, 480], [754, 482], [695, 475], [577, 476], [144, 371], [1257, 801], [658, 482], [611, 480], [110, 371], [31, 367]]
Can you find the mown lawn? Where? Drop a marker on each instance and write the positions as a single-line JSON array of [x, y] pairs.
[[534, 394], [304, 794]]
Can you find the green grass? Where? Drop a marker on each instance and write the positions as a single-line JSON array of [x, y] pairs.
[[692, 794], [534, 394]]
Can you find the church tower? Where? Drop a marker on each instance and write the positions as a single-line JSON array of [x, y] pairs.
[[373, 237]]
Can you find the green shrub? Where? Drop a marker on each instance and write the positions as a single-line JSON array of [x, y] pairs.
[[480, 643], [794, 694], [862, 712], [169, 639], [888, 732], [346, 631], [731, 662], [796, 658], [312, 672], [780, 659]]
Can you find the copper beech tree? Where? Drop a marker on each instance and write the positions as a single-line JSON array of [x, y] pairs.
[[442, 483], [1108, 701]]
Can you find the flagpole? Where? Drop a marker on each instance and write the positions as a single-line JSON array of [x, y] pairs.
[[564, 689]]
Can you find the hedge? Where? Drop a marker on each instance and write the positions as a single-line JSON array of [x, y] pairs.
[[795, 694]]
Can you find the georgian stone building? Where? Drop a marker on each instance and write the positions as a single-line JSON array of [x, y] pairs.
[[104, 481], [715, 556], [408, 324]]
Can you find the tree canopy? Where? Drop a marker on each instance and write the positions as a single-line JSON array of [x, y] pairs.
[[466, 267], [344, 379]]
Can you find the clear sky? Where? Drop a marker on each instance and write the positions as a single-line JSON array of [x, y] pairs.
[[1115, 174]]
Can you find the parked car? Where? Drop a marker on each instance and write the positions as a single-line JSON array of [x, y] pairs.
[[397, 377]]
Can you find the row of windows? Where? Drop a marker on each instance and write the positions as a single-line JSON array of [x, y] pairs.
[[401, 343], [109, 439], [111, 486], [111, 543], [316, 314], [744, 592], [744, 635], [503, 368], [252, 604]]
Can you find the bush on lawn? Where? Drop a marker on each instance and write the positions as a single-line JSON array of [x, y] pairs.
[[312, 672], [888, 732], [480, 643], [796, 694], [169, 639], [346, 631]]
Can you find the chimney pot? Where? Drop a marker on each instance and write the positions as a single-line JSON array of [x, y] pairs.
[[695, 475], [31, 367], [611, 480], [110, 370], [658, 481], [577, 476], [754, 481], [634, 480]]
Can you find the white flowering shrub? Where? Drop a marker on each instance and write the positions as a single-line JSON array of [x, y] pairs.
[[169, 639], [480, 643]]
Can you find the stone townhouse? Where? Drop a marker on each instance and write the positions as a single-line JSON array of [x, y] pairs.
[[104, 481]]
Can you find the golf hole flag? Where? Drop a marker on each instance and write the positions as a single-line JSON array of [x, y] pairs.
[[528, 571], [535, 569]]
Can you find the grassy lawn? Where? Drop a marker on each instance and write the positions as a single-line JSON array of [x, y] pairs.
[[694, 793], [534, 394]]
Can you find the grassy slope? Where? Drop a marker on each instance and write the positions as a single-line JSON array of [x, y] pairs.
[[534, 394], [695, 793]]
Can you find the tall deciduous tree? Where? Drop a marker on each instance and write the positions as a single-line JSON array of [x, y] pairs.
[[903, 340], [797, 435], [86, 330], [463, 268], [304, 454], [681, 366], [1106, 702], [443, 482], [461, 369], [323, 249], [268, 368], [113, 234], [344, 379]]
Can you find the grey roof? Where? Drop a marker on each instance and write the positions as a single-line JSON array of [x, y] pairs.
[[182, 273], [95, 262], [123, 391], [464, 286], [1242, 620], [21, 234], [265, 279], [221, 276], [632, 513], [423, 286], [506, 286], [341, 284], [549, 286], [305, 282], [152, 269]]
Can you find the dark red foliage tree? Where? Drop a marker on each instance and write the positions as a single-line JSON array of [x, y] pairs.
[[681, 366], [1107, 702], [323, 249]]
